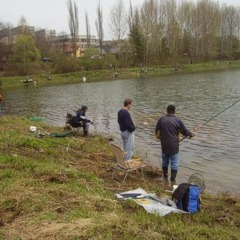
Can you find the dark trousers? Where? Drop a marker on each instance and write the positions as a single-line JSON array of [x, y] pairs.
[[84, 125]]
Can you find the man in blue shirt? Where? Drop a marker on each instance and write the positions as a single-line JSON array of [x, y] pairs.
[[169, 127], [127, 129]]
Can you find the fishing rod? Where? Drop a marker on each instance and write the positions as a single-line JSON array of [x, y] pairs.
[[210, 119]]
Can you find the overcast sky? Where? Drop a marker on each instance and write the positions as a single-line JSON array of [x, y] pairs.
[[53, 14]]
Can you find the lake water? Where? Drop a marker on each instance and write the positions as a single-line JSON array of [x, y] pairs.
[[214, 151]]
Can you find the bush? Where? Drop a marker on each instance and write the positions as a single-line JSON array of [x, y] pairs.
[[64, 65]]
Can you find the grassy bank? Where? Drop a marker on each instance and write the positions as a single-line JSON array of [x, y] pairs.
[[124, 73], [60, 188]]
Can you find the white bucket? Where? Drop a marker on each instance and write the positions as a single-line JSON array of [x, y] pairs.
[[33, 129], [175, 187]]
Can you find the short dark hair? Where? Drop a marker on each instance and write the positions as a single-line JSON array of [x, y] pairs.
[[127, 102], [84, 108], [171, 109]]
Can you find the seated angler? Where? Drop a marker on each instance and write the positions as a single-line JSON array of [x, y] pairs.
[[80, 120]]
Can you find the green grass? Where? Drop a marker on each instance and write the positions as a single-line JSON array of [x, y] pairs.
[[62, 189], [124, 73]]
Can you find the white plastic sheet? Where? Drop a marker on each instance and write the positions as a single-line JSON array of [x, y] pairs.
[[148, 201]]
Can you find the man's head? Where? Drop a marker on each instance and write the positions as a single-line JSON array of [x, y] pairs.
[[84, 108], [127, 103], [171, 109]]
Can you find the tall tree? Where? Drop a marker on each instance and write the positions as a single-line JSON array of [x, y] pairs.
[[185, 18], [149, 20], [229, 28], [165, 50], [25, 53], [8, 38], [118, 22], [73, 23], [136, 38], [207, 24], [1, 25], [99, 26], [88, 30], [22, 21], [23, 25], [2, 47]]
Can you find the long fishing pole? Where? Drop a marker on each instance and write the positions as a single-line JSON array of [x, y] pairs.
[[210, 119]]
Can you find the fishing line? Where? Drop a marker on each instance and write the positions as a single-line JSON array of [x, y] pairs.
[[210, 119]]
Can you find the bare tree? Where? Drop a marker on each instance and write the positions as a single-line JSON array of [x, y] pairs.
[[229, 28], [9, 37], [1, 25], [22, 21], [206, 29], [185, 15], [118, 22], [238, 27], [149, 20], [73, 23], [23, 25], [88, 30], [99, 26], [130, 16], [136, 37]]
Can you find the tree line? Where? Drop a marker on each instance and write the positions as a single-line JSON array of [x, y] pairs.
[[155, 33], [170, 31]]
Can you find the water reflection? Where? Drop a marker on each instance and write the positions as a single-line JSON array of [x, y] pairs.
[[214, 150]]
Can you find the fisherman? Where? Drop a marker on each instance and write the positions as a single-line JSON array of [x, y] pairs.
[[127, 129], [80, 120], [167, 130], [115, 75]]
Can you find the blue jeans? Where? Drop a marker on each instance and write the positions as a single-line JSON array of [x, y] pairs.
[[128, 144], [173, 159]]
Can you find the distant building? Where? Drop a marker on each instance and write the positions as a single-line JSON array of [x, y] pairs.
[[110, 46], [8, 35], [65, 42], [45, 34]]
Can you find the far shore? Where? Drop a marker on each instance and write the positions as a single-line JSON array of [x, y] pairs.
[[119, 73]]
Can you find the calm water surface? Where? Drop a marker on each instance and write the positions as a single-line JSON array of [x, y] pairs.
[[214, 151]]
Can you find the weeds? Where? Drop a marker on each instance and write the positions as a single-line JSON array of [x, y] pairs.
[[62, 189]]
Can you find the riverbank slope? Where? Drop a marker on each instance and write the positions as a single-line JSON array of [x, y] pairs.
[[61, 188]]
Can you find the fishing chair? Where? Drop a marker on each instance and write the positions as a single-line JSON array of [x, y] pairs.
[[125, 166], [70, 124]]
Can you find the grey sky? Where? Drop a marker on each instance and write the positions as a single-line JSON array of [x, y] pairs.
[[53, 14]]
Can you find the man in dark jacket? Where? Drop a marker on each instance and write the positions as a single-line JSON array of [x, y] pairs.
[[80, 120], [169, 127], [127, 129]]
